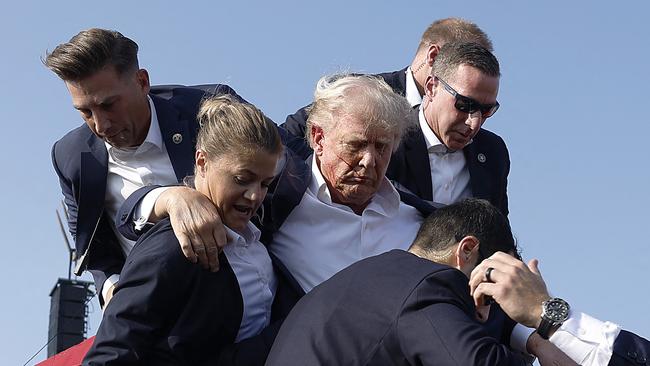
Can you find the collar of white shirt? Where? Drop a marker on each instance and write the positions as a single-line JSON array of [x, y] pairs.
[[249, 235], [412, 93], [433, 142], [385, 202], [153, 139]]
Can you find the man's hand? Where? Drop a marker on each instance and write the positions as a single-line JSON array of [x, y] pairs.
[[546, 352], [109, 295], [196, 224], [519, 289]]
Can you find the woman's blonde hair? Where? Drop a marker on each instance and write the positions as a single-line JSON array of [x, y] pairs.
[[230, 126]]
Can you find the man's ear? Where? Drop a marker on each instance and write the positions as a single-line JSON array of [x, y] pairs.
[[201, 162], [317, 137], [467, 253], [432, 53], [430, 86], [142, 77]]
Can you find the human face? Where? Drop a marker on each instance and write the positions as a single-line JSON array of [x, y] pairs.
[[115, 107], [236, 183], [353, 159], [454, 128]]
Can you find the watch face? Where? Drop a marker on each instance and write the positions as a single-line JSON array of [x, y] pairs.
[[556, 310]]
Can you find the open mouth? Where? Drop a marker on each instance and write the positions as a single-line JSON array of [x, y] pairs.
[[244, 210]]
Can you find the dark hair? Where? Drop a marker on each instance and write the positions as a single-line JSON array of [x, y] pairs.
[[90, 51], [447, 30], [454, 54], [471, 217]]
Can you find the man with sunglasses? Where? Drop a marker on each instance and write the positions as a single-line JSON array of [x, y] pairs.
[[463, 160]]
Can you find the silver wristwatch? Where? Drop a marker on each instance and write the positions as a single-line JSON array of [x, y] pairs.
[[555, 311]]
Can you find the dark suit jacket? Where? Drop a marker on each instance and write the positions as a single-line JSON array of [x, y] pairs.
[[487, 158], [296, 123], [391, 309], [167, 310], [80, 160], [630, 349]]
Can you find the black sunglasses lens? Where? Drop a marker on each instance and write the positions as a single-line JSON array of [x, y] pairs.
[[465, 104]]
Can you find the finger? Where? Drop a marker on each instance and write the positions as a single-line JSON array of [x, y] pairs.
[[200, 250], [186, 247], [533, 265], [482, 290], [213, 251]]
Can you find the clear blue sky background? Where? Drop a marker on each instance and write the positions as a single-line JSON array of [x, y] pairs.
[[574, 96]]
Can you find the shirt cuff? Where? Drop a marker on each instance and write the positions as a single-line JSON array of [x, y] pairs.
[[144, 209], [519, 338], [586, 340], [110, 281]]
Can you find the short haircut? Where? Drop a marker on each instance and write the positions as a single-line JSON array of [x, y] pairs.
[[363, 96], [454, 54], [228, 126], [90, 51], [448, 30], [448, 225]]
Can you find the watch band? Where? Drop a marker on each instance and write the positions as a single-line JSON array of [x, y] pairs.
[[544, 328]]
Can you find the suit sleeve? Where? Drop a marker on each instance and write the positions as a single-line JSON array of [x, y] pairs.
[[147, 300], [504, 194], [630, 349], [68, 198], [106, 259], [439, 331], [296, 123]]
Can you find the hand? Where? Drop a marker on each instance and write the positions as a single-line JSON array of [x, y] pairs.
[[519, 289], [196, 224], [546, 352], [109, 295]]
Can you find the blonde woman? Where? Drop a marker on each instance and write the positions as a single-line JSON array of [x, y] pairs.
[[167, 310]]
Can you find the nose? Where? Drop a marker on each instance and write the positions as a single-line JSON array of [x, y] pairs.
[[102, 123], [369, 157], [255, 193], [474, 120]]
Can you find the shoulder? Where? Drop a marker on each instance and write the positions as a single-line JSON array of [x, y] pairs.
[[160, 246], [65, 151], [485, 137]]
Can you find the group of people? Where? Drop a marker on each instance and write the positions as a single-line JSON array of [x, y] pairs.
[[370, 228]]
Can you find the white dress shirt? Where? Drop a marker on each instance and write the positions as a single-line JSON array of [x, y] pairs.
[[320, 237], [586, 340], [252, 266], [449, 173], [412, 93], [131, 169]]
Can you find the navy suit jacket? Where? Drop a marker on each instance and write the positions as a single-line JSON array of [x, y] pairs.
[[487, 159], [296, 123], [167, 310], [80, 160], [391, 309], [629, 350]]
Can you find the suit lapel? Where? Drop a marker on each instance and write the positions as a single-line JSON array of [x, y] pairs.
[[92, 190], [176, 134], [479, 179], [417, 158]]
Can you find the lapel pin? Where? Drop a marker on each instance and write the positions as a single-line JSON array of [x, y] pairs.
[[178, 138], [481, 158]]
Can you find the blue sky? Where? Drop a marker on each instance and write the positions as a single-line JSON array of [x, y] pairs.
[[573, 96]]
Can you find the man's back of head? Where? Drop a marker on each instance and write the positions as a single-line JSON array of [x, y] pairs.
[[472, 217]]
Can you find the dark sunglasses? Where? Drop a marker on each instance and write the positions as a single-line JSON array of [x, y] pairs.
[[469, 105]]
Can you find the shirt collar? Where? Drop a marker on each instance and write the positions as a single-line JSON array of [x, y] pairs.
[[385, 202], [153, 139], [249, 235], [433, 142], [412, 93]]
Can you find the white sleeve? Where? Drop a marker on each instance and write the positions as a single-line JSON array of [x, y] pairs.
[[586, 340], [144, 209]]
